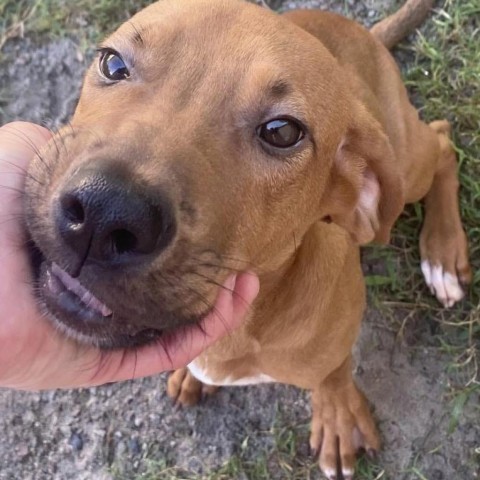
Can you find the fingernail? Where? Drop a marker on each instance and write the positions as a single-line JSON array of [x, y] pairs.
[[230, 283]]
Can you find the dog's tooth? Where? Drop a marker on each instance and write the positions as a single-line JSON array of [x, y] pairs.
[[101, 307], [70, 283], [92, 302], [86, 298], [78, 289], [54, 284]]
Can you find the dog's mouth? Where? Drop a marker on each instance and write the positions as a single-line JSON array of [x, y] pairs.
[[79, 313], [71, 296]]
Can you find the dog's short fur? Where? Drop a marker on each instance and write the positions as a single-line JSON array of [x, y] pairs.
[[204, 75]]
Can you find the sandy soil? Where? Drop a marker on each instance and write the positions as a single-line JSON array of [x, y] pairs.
[[116, 431]]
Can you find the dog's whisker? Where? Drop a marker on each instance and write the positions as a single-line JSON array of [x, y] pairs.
[[89, 130], [135, 354], [55, 143], [210, 307], [23, 174], [63, 139], [12, 218], [236, 259], [21, 169], [98, 365], [217, 284], [199, 262], [225, 259], [23, 137], [28, 142], [202, 298], [72, 129], [20, 192], [160, 342]]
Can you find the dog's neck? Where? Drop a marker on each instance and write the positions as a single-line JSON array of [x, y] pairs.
[[324, 248]]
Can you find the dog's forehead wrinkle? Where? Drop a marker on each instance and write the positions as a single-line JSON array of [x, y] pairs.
[[200, 22], [187, 57], [200, 27]]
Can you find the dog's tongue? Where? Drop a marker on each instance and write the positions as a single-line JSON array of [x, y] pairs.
[[78, 289]]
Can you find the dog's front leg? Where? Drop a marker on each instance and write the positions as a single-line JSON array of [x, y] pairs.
[[341, 424], [443, 243], [185, 390]]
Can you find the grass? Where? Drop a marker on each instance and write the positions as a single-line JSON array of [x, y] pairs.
[[88, 20], [443, 76]]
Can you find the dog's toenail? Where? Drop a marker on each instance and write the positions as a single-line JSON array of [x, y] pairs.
[[347, 473], [372, 454]]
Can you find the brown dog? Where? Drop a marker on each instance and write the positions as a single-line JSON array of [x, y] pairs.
[[214, 135]]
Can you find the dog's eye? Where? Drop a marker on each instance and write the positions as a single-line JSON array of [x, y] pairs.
[[281, 132], [112, 66]]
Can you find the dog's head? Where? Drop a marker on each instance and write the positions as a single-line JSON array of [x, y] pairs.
[[210, 135]]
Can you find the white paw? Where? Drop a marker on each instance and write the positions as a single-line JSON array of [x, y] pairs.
[[347, 473], [445, 286], [330, 473]]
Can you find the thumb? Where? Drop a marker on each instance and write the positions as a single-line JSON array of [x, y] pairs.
[[19, 142]]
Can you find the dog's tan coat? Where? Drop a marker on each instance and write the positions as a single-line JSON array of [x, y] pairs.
[[205, 74]]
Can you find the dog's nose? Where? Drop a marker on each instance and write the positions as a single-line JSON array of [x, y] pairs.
[[107, 218]]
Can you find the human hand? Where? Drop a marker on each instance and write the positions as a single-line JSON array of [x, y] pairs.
[[33, 355]]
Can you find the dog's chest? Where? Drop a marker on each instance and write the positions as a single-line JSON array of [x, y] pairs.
[[201, 373]]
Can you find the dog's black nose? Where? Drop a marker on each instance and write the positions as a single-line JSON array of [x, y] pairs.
[[107, 218]]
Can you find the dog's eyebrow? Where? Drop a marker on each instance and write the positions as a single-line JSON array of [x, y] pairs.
[[136, 36], [278, 89]]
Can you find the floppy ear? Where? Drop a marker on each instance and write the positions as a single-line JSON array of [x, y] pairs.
[[365, 193]]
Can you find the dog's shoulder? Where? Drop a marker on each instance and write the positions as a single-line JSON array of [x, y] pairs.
[[335, 31], [346, 40]]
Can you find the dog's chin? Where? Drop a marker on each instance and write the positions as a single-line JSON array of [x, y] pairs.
[[79, 315], [104, 341]]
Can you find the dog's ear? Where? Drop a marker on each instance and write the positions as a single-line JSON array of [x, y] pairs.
[[365, 193]]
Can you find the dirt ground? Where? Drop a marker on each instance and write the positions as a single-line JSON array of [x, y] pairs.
[[120, 431]]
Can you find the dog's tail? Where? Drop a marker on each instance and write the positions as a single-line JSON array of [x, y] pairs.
[[397, 26]]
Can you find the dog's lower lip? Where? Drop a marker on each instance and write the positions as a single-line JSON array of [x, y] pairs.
[[60, 283]]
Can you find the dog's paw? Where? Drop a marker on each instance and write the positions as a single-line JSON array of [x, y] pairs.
[[342, 427], [185, 390], [445, 265]]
